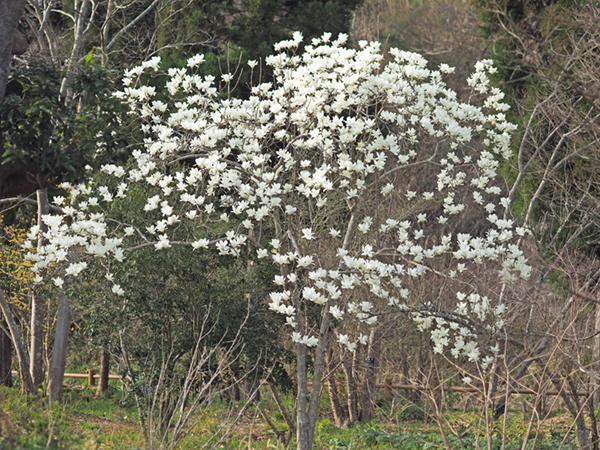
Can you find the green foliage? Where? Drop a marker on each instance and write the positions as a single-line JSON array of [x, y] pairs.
[[269, 21], [526, 37], [86, 422], [174, 296], [257, 30], [39, 127], [228, 33], [316, 17], [409, 440], [190, 28], [409, 411]]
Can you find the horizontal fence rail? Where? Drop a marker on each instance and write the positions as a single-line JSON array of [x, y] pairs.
[[465, 389], [471, 389], [92, 375]]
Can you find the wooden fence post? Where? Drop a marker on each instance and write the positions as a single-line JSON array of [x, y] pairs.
[[91, 380], [104, 372], [387, 390]]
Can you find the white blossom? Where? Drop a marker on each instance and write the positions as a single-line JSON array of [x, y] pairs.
[[300, 155]]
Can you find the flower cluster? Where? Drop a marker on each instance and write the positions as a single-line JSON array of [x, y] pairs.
[[299, 169], [472, 323]]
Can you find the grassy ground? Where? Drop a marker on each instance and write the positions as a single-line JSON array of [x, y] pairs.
[[111, 422]]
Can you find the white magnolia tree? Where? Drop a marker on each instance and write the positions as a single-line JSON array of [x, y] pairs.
[[315, 170]]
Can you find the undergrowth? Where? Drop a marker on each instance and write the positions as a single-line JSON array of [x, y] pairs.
[[86, 422]]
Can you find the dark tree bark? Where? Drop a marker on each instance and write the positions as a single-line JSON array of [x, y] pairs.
[[11, 41], [368, 394], [15, 179], [5, 359], [234, 391]]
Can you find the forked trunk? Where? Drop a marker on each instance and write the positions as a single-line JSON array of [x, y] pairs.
[[340, 415], [368, 394]]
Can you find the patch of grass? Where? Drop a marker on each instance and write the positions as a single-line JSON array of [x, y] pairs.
[[407, 411], [107, 406], [103, 422], [27, 423], [109, 422], [410, 440]]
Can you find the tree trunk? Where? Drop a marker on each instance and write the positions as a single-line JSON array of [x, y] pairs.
[[251, 390], [104, 371], [352, 388], [368, 394], [36, 360], [340, 415], [66, 89], [26, 382], [36, 351], [302, 424], [571, 401], [405, 393], [5, 359], [234, 391], [591, 413], [581, 430], [10, 13], [281, 408], [306, 418], [596, 360], [59, 352]]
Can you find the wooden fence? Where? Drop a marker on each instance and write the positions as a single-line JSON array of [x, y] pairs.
[[387, 386], [91, 376], [468, 389]]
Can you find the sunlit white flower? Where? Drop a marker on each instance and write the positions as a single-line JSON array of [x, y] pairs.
[[116, 289], [305, 261], [201, 243], [308, 234]]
